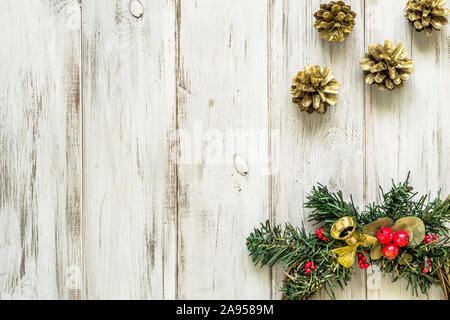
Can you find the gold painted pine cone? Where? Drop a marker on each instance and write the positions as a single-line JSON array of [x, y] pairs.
[[387, 66], [335, 21], [426, 15], [314, 89]]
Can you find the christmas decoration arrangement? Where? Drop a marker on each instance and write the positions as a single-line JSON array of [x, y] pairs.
[[387, 65], [426, 15], [404, 235], [315, 89], [335, 21]]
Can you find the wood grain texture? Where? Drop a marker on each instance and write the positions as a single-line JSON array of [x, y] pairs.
[[40, 147], [223, 186], [405, 130], [314, 148], [141, 141], [130, 176]]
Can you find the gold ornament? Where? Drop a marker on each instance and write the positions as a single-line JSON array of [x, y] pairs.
[[335, 21], [314, 89], [345, 229], [426, 15], [387, 66]]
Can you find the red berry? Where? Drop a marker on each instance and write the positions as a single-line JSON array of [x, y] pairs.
[[385, 235], [363, 258], [308, 271], [308, 265], [360, 255], [428, 258], [424, 270], [390, 251], [361, 266], [324, 239], [366, 265], [360, 262], [320, 235], [313, 267], [401, 238], [428, 240]]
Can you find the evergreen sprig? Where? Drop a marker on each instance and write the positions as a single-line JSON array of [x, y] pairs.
[[400, 201], [294, 247], [328, 206], [438, 253]]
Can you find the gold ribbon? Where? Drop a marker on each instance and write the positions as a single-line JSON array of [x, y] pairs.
[[345, 229]]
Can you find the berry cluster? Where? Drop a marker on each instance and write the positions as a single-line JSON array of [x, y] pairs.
[[429, 238], [428, 268], [309, 266], [363, 264], [392, 241], [320, 234]]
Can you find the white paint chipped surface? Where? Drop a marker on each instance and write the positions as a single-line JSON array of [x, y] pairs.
[[141, 141]]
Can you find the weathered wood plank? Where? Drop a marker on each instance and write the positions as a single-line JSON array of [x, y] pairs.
[[223, 117], [312, 147], [40, 147], [407, 130], [129, 176]]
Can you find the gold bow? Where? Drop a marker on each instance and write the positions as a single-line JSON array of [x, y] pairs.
[[345, 229]]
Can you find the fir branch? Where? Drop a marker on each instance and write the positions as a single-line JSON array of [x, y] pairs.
[[400, 202], [397, 202], [294, 247], [268, 246], [418, 281], [435, 215], [329, 275], [328, 207]]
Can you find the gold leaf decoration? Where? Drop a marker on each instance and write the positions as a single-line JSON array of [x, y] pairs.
[[314, 89], [372, 228], [414, 226], [335, 21], [387, 65], [377, 251], [426, 15]]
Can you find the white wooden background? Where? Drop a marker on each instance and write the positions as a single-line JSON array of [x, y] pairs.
[[136, 154]]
